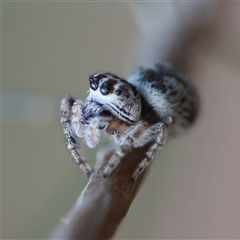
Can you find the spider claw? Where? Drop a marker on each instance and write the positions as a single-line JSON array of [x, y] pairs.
[[132, 179], [134, 176], [89, 173], [86, 168], [107, 172], [105, 175]]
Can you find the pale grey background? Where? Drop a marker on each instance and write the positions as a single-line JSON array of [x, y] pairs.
[[49, 49]]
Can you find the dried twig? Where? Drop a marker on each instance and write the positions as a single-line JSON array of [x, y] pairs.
[[104, 202]]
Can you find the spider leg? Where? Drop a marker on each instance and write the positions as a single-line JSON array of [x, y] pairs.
[[149, 135], [125, 146], [153, 150], [66, 114]]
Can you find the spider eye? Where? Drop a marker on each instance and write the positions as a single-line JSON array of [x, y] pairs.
[[105, 88], [94, 83], [118, 92]]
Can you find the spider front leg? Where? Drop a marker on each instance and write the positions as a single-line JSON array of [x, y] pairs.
[[153, 150], [125, 146], [69, 125]]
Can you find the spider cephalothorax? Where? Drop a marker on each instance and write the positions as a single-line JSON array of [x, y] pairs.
[[116, 95], [155, 98]]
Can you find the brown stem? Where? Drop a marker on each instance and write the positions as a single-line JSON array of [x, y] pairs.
[[104, 202]]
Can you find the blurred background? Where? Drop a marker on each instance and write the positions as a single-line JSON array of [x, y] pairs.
[[50, 48]]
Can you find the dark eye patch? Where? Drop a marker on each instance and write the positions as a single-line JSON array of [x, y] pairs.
[[105, 88], [94, 83], [118, 92]]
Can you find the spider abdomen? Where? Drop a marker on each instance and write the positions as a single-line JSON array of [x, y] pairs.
[[165, 93]]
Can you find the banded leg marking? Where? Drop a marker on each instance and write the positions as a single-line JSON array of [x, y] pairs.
[[152, 151], [66, 114]]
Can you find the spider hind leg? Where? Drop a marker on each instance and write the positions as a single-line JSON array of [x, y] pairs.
[[152, 151]]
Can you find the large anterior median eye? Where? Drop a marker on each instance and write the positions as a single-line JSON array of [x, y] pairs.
[[94, 82], [105, 88], [118, 92]]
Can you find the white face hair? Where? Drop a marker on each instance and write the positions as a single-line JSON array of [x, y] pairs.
[[116, 95]]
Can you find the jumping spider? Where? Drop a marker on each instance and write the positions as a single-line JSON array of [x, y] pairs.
[[154, 102]]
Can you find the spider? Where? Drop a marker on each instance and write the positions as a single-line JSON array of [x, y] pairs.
[[155, 102]]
